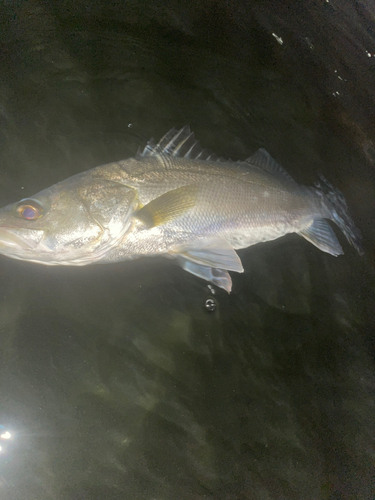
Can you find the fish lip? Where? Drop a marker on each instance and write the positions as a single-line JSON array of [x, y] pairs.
[[15, 237]]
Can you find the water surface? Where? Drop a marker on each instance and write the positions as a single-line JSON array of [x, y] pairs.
[[117, 381]]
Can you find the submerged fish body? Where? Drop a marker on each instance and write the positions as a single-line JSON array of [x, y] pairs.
[[173, 199]]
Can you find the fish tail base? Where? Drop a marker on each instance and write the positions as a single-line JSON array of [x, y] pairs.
[[337, 210]]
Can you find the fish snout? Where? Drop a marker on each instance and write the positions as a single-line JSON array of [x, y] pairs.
[[19, 238]]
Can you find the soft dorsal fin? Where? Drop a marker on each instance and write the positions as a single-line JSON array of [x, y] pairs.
[[179, 143], [262, 159]]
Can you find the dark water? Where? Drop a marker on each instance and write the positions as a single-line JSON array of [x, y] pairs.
[[116, 381]]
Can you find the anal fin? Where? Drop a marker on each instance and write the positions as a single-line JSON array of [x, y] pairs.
[[320, 234]]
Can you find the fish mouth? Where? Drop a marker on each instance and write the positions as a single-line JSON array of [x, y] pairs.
[[19, 238]]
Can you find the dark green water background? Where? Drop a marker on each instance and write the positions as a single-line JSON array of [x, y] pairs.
[[116, 382]]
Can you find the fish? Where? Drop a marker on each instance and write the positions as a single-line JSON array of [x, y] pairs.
[[178, 200]]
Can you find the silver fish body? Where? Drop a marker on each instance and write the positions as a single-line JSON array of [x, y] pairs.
[[173, 199]]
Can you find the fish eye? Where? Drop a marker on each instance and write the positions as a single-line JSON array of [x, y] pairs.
[[29, 209]]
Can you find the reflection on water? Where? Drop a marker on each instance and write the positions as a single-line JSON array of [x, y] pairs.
[[138, 380], [4, 437]]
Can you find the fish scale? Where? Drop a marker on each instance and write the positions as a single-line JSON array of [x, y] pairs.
[[177, 200]]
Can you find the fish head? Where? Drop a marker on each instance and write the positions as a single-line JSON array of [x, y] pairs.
[[74, 222]]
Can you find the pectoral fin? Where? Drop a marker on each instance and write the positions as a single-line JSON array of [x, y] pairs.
[[168, 206], [320, 234]]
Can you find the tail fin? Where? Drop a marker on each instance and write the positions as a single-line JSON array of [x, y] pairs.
[[338, 211]]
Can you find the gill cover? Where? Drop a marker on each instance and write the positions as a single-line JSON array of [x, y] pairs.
[[108, 203]]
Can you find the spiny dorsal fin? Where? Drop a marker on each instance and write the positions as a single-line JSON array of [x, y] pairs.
[[168, 206], [183, 144], [262, 159], [179, 143]]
